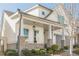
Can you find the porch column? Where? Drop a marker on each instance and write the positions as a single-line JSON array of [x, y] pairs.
[[76, 42], [63, 38], [54, 38], [50, 35], [50, 32], [0, 44]]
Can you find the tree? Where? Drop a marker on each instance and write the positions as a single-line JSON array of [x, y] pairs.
[[71, 28]]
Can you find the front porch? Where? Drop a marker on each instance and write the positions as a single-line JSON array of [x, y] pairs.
[[44, 38]]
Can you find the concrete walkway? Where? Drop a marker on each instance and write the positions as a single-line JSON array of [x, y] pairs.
[[67, 54]]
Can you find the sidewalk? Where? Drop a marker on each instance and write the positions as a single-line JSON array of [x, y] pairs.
[[67, 54]]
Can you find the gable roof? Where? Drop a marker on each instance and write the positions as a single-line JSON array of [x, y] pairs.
[[62, 10], [9, 13], [36, 6]]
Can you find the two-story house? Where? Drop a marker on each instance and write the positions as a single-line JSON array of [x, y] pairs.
[[38, 27]]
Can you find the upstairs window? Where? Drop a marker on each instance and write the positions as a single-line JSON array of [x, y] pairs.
[[61, 19], [43, 13], [26, 31]]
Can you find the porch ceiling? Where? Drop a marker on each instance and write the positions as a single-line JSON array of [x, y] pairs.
[[40, 24]]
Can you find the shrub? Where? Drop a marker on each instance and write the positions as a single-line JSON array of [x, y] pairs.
[[40, 52], [10, 52], [49, 51], [76, 46], [26, 52], [33, 52], [66, 47], [76, 51], [54, 47]]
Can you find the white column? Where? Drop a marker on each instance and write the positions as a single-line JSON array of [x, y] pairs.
[[63, 34], [63, 38], [0, 44], [49, 36], [71, 46], [50, 32], [76, 39], [54, 39]]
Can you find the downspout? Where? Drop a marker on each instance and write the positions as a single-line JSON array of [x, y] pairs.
[[19, 34]]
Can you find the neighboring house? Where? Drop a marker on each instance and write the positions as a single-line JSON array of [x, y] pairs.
[[40, 26]]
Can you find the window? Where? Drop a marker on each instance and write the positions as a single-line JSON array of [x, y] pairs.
[[26, 32], [43, 13], [61, 19]]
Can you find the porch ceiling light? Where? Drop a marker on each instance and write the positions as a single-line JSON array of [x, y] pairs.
[[34, 27]]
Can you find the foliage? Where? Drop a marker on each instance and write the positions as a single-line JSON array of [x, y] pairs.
[[10, 52], [40, 52], [54, 47], [49, 51], [76, 46], [66, 47], [26, 52]]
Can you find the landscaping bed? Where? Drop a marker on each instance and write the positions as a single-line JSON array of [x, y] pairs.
[[53, 50]]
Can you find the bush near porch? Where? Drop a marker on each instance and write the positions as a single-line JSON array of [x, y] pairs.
[[76, 46], [37, 52], [42, 52], [66, 47], [54, 49], [10, 52]]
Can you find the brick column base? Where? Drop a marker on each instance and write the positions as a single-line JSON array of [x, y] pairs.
[[22, 42]]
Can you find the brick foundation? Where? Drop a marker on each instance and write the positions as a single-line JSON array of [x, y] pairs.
[[27, 46]]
